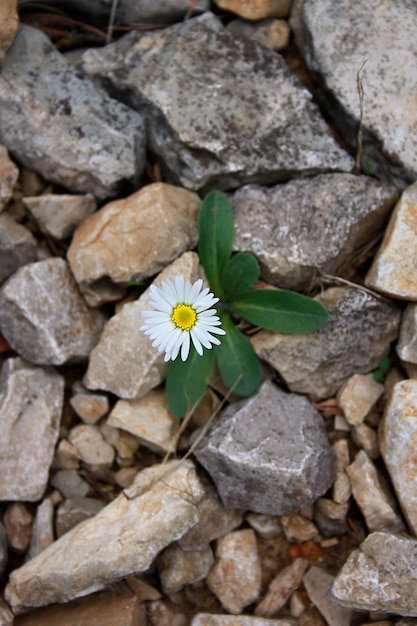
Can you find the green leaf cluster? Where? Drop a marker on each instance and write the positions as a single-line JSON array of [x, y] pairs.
[[231, 277]]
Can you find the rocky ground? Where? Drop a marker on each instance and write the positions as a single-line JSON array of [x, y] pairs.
[[298, 506]]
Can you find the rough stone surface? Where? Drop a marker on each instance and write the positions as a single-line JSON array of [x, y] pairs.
[[380, 576], [317, 583], [42, 528], [365, 437], [357, 396], [91, 445], [371, 497], [31, 400], [297, 528], [281, 588], [235, 578], [407, 341], [62, 126], [149, 419], [8, 173], [208, 619], [43, 316], [336, 39], [271, 33], [157, 11], [256, 9], [259, 123], [266, 526], [18, 524], [134, 238], [310, 226], [397, 437], [59, 215], [269, 454], [392, 271], [75, 510], [90, 407], [330, 517], [178, 567], [122, 539], [341, 489], [356, 337], [124, 361], [70, 483], [17, 246], [9, 21]]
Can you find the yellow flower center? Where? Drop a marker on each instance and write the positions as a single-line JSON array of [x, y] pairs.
[[184, 316]]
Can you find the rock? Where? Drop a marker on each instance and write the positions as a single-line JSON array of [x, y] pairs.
[[70, 483], [17, 246], [113, 543], [3, 548], [18, 524], [396, 437], [407, 341], [66, 456], [90, 407], [357, 396], [235, 578], [62, 126], [125, 444], [91, 445], [366, 438], [392, 271], [266, 526], [124, 361], [358, 334], [371, 497], [106, 607], [268, 454], [8, 170], [380, 576], [342, 489], [208, 619], [338, 41], [245, 119], [149, 419], [9, 21], [281, 588], [317, 583], [321, 223], [59, 215], [42, 529], [271, 33], [256, 9], [297, 528], [31, 400], [157, 11], [74, 510], [43, 316], [133, 238], [178, 567], [215, 520], [330, 517]]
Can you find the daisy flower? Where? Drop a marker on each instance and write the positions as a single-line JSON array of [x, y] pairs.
[[182, 314]]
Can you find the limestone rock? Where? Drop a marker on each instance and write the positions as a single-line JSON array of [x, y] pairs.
[[256, 9], [70, 483], [121, 540], [62, 126], [407, 341], [268, 454], [310, 226], [178, 567], [266, 526], [356, 337], [8, 172], [42, 529], [222, 110], [330, 517], [9, 21], [393, 269], [31, 400], [271, 33], [90, 407], [208, 619], [124, 361], [336, 39], [43, 316], [91, 445], [297, 528], [357, 396], [17, 246], [341, 490], [281, 588], [74, 510], [157, 11], [149, 419], [235, 578], [135, 237], [380, 576], [18, 524], [317, 583], [397, 435], [371, 497], [59, 215]]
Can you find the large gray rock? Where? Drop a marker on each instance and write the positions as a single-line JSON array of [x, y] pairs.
[[123, 539], [17, 246], [31, 400], [380, 576], [336, 39], [221, 110], [44, 317], [62, 126], [309, 226], [269, 454], [358, 334]]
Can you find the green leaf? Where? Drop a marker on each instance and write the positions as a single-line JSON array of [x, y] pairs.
[[237, 360], [281, 311], [215, 237], [239, 274], [186, 381]]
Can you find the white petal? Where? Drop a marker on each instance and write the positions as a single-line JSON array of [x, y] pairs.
[[180, 288], [217, 331], [201, 335], [195, 291], [169, 292], [197, 342], [185, 346], [176, 348]]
